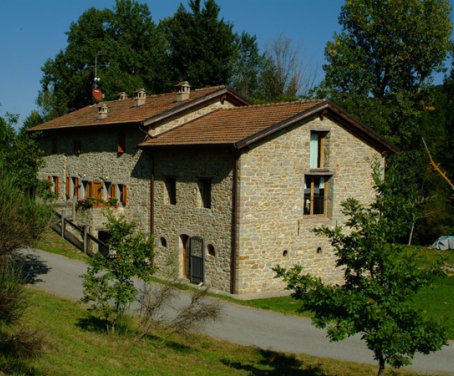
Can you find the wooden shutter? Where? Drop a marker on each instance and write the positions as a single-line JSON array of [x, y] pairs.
[[68, 188], [90, 189], [51, 182], [121, 148], [124, 195], [97, 190], [56, 185], [114, 191], [76, 188]]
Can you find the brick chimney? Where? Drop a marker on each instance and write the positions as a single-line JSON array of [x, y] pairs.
[[102, 111], [139, 97], [122, 96], [183, 91]]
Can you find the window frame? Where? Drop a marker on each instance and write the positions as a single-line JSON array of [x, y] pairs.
[[317, 158], [327, 193]]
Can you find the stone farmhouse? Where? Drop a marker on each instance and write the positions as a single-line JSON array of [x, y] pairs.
[[227, 188]]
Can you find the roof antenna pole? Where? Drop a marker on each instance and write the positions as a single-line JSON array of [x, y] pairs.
[[96, 91], [436, 166]]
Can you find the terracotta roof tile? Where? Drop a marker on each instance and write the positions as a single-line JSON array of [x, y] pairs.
[[228, 126], [124, 111]]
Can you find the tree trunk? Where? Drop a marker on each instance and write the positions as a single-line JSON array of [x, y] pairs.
[[381, 365], [411, 233]]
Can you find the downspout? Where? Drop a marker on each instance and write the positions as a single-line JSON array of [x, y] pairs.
[[152, 196], [235, 219]]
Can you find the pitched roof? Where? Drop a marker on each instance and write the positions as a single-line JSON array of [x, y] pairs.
[[156, 107], [242, 126]]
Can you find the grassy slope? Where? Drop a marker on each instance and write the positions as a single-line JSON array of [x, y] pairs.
[[71, 349], [438, 299]]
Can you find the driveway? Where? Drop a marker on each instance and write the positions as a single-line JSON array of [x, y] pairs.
[[239, 324]]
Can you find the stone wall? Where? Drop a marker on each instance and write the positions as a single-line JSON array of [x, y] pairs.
[[99, 161], [272, 227], [187, 217], [188, 116]]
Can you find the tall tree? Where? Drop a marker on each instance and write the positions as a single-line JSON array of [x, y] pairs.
[[284, 76], [388, 46], [248, 66], [201, 46], [129, 51]]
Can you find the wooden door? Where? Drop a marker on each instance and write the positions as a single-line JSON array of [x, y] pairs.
[[185, 255]]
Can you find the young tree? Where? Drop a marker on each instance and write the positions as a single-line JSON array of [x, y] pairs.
[[108, 284], [375, 298], [201, 47]]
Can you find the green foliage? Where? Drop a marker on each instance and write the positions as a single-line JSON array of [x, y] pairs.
[[388, 46], [380, 282], [20, 154], [22, 218], [249, 63], [108, 284], [130, 56], [284, 77], [379, 69], [201, 47]]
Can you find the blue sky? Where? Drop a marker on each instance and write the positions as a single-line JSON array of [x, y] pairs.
[[33, 31]]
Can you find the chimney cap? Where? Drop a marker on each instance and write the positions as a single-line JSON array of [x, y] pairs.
[[122, 95], [103, 110]]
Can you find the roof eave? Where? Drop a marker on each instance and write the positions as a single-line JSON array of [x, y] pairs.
[[186, 105], [89, 125], [365, 133]]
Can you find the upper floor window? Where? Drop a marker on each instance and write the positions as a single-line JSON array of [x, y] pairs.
[[77, 147], [205, 192], [121, 147], [171, 187], [316, 194], [318, 149]]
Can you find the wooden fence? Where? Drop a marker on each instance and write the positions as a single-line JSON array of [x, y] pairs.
[[79, 236]]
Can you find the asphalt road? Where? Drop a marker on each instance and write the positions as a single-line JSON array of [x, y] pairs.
[[239, 324]]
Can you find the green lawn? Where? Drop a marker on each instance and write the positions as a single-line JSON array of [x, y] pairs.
[[50, 241], [72, 349]]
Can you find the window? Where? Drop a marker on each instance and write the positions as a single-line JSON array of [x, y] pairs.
[[205, 192], [171, 187], [86, 185], [317, 149], [121, 147], [77, 147], [316, 195], [54, 185], [122, 193], [76, 187], [68, 188]]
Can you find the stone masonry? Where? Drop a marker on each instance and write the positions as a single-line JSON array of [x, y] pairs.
[[272, 227]]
